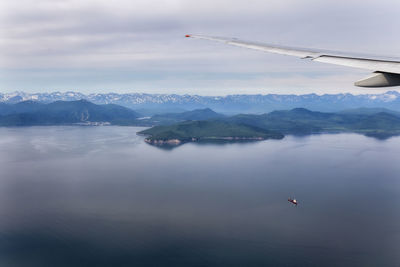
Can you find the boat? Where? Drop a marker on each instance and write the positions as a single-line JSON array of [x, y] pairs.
[[293, 201]]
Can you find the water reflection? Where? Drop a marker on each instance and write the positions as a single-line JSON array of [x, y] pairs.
[[100, 196]]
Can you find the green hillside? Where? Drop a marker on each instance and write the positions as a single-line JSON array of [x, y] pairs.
[[65, 112], [208, 130], [302, 121]]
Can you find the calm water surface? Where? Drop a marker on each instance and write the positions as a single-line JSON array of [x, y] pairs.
[[100, 196]]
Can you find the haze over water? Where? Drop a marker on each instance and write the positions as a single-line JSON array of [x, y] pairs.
[[100, 196]]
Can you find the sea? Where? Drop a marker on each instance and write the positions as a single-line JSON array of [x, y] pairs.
[[100, 196]]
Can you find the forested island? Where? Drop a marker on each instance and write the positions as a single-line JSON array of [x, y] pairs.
[[196, 131]]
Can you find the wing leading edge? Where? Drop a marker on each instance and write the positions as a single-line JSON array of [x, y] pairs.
[[386, 72]]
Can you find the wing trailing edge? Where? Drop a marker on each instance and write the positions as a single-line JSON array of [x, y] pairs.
[[386, 72]]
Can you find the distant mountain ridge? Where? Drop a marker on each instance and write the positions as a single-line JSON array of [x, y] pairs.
[[82, 111], [64, 112], [303, 121], [197, 114], [205, 124], [154, 103], [170, 118]]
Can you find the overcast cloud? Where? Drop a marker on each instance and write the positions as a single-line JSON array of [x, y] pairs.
[[139, 46]]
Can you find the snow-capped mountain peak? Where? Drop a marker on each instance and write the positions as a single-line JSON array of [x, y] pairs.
[[229, 103]]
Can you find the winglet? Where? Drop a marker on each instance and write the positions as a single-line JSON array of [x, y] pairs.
[[188, 35]]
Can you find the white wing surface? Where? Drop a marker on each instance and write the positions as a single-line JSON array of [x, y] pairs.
[[386, 72]]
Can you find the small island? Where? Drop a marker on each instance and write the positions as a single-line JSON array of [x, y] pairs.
[[199, 131]]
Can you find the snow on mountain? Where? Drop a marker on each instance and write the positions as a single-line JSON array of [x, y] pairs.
[[228, 104]]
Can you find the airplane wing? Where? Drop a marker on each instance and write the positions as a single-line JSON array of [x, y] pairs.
[[385, 72]]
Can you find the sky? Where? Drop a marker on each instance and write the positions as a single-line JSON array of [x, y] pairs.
[[123, 46]]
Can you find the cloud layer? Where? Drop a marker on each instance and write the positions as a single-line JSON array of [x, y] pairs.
[[137, 46]]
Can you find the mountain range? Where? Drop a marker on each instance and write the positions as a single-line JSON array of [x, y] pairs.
[[151, 104], [171, 118], [29, 112], [205, 123], [64, 112]]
